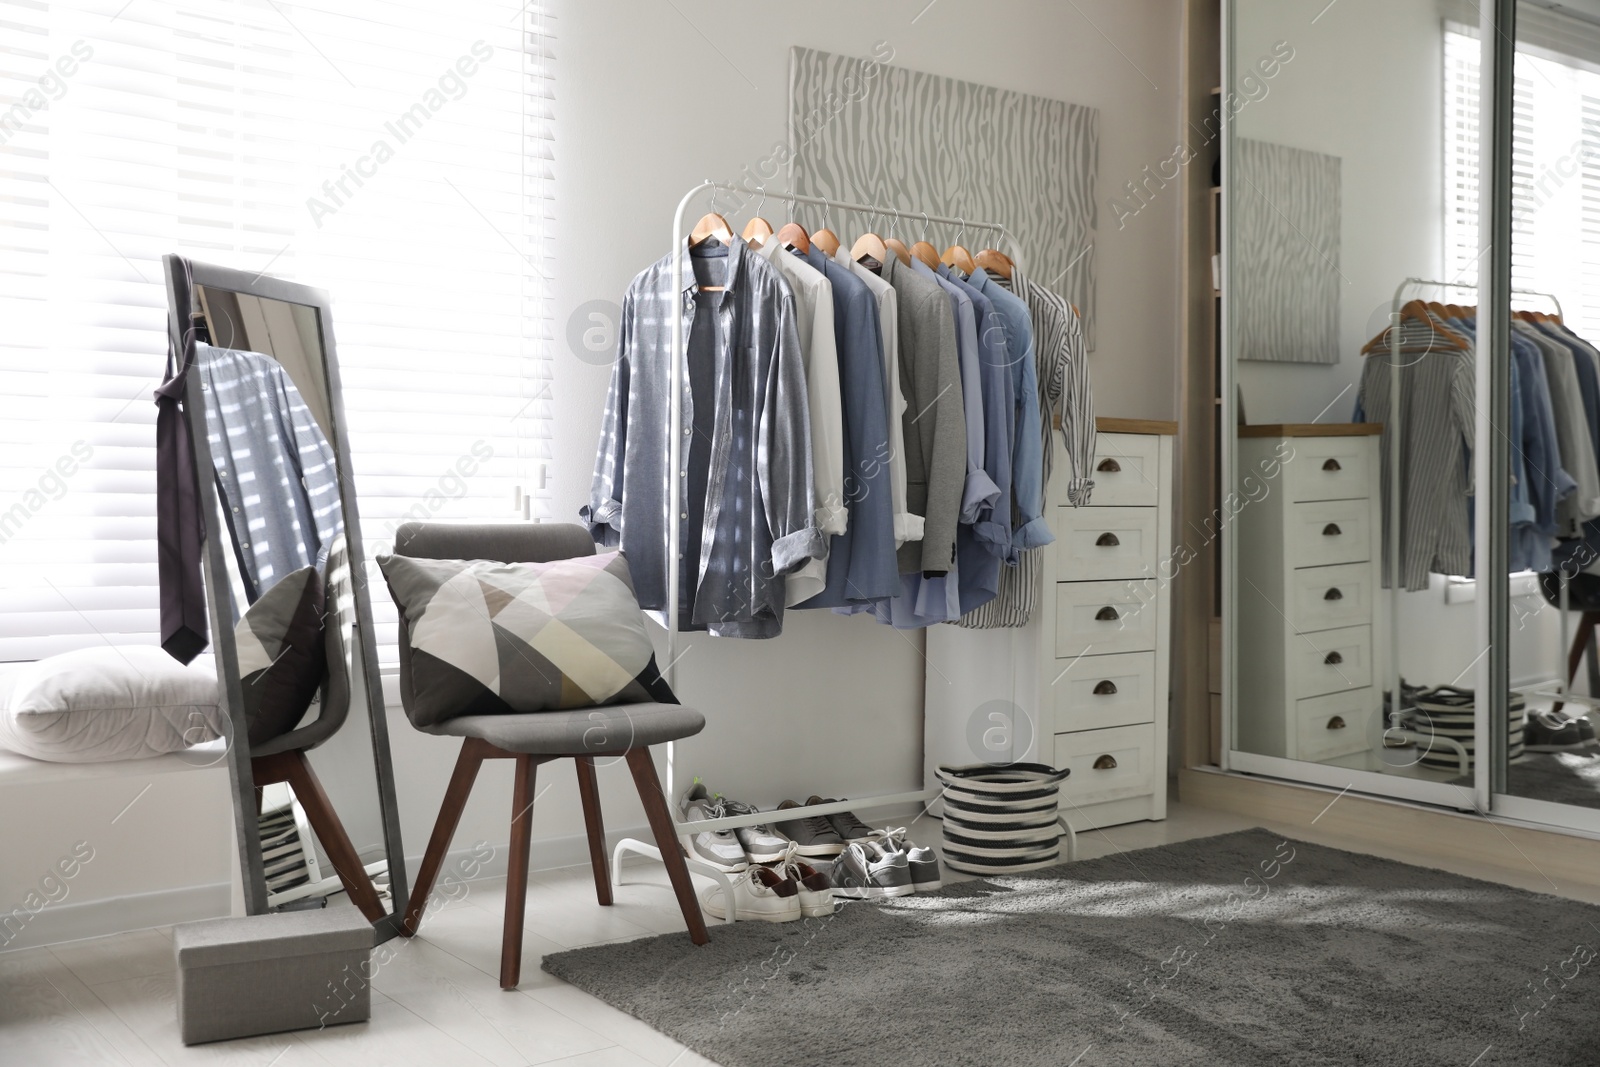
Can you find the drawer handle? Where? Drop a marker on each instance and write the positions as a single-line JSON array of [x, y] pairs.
[[1106, 763], [1107, 540], [1105, 688], [1106, 614], [1109, 466], [1333, 594], [1331, 658], [1336, 723], [1331, 465], [1331, 530]]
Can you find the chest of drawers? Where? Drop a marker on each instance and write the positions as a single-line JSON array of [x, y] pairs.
[[1309, 560]]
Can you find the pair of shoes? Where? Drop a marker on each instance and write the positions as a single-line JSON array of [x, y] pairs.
[[728, 850], [1550, 731], [790, 890], [865, 871], [925, 877], [823, 835]]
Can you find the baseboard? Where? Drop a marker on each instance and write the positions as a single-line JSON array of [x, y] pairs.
[[74, 920], [1556, 860]]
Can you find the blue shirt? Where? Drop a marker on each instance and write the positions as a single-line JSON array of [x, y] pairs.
[[981, 490], [862, 565]]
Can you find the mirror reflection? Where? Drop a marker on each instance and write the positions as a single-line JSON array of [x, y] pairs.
[[270, 415]]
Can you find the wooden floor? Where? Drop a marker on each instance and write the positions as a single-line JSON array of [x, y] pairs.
[[437, 1001]]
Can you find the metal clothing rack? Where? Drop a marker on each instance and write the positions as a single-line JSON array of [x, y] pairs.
[[674, 539], [1397, 729]]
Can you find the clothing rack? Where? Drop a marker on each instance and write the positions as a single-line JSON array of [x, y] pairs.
[[1393, 504], [674, 538]]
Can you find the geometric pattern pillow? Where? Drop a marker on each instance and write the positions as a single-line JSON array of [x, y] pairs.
[[498, 638], [283, 655]]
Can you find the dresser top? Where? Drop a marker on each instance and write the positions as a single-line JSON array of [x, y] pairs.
[[1312, 429], [1158, 426]]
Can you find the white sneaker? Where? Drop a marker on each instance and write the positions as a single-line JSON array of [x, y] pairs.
[[720, 848], [758, 893], [815, 887]]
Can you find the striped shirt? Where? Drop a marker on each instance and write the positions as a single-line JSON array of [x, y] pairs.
[[1064, 395], [1437, 426]]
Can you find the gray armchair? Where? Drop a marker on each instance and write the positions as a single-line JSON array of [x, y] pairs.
[[626, 730]]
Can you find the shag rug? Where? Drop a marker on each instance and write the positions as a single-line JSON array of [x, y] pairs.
[[1232, 951], [1560, 777]]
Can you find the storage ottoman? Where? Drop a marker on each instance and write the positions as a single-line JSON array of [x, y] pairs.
[[264, 974]]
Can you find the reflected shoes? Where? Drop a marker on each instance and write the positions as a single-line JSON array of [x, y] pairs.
[[758, 893], [1549, 731]]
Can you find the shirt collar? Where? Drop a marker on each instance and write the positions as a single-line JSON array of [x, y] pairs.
[[737, 248]]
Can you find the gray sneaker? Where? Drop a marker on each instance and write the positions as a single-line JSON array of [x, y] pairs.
[[925, 876], [866, 872], [815, 835], [845, 824], [720, 848], [758, 842]]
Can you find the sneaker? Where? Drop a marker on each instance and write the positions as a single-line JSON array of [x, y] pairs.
[[867, 872], [813, 835], [1548, 731], [849, 828], [758, 893], [924, 864], [720, 848], [815, 887], [759, 842]]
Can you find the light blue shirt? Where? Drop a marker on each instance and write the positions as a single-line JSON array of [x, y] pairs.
[[1030, 530]]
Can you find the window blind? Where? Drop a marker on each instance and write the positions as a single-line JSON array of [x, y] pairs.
[[398, 160]]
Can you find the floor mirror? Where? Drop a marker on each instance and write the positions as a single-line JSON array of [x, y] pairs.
[[289, 609]]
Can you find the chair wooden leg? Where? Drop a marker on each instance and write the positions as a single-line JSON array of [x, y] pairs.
[[655, 807], [589, 792], [444, 828], [517, 872], [331, 832]]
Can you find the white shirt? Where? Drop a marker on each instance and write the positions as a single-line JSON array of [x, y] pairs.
[[907, 527], [813, 300]]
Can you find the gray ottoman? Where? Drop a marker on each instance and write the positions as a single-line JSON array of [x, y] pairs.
[[263, 974]]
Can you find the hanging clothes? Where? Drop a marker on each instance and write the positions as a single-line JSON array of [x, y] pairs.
[[813, 300], [980, 491], [1572, 429], [747, 438], [180, 522]]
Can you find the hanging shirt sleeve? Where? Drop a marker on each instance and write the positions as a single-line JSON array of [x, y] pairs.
[[784, 456]]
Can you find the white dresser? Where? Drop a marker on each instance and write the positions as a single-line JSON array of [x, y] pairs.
[[1084, 684], [1309, 559]]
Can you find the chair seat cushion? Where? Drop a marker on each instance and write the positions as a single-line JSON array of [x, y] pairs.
[[490, 638], [580, 732], [283, 656]]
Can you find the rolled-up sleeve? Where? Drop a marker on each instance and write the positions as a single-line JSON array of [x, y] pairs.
[[603, 513], [784, 454]]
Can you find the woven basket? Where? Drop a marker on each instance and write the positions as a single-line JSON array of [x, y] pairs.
[[1001, 820]]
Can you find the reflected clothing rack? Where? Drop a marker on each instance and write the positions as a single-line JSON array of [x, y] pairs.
[[674, 538]]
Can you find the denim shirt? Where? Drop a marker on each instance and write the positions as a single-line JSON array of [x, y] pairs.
[[746, 444], [1029, 528], [993, 526], [861, 561]]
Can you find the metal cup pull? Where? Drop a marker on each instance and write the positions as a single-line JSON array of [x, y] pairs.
[[1336, 723], [1105, 688], [1331, 465], [1333, 594], [1331, 658], [1109, 466], [1106, 763], [1331, 530], [1106, 614], [1107, 540]]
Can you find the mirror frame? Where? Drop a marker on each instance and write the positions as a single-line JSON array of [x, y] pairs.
[[182, 275]]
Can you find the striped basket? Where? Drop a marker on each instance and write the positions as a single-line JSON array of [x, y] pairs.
[[1001, 820]]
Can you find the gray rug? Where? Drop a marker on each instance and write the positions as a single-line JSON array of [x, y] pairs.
[[1229, 951], [1560, 777]]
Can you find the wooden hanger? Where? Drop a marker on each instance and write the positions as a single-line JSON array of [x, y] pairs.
[[1419, 311], [898, 247], [711, 225], [995, 262], [757, 230], [869, 244], [959, 258], [927, 253], [826, 240], [793, 235]]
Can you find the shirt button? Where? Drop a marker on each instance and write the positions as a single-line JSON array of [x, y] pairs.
[[687, 431], [685, 515]]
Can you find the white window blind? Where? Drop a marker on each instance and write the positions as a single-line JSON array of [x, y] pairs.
[[392, 154], [1555, 172]]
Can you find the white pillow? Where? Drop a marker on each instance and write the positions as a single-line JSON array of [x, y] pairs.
[[97, 705]]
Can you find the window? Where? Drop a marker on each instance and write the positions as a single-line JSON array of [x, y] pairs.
[[398, 160]]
